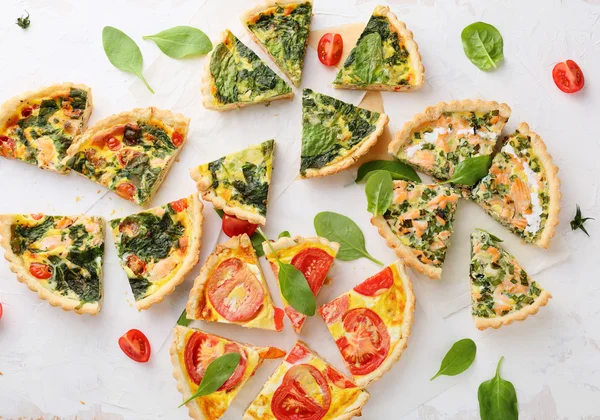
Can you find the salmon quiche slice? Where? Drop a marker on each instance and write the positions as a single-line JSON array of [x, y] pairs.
[[59, 257], [501, 290], [314, 257], [236, 77], [38, 127], [418, 224], [158, 247], [385, 57], [335, 134], [371, 323], [239, 183], [191, 353], [305, 386], [522, 188], [436, 141], [130, 153], [231, 288]]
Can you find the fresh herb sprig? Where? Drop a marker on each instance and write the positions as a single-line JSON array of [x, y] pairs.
[[24, 21], [498, 398], [578, 221], [458, 359]]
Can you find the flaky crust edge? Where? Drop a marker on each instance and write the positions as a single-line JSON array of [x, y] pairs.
[[521, 315]]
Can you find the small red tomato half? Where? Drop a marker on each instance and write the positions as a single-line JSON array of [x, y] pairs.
[[330, 49], [177, 139], [232, 226], [126, 190], [568, 76], [1, 310], [135, 345], [113, 143], [179, 205], [40, 271]]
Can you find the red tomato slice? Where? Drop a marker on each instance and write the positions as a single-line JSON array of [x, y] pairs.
[[40, 271], [376, 285], [177, 139], [279, 319], [179, 205], [113, 143], [314, 264], [135, 264], [338, 379], [295, 317], [1, 310], [297, 353], [7, 146], [333, 311], [568, 76], [135, 345], [232, 226], [126, 190], [330, 49]]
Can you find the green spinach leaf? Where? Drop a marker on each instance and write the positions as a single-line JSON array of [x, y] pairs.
[[183, 321], [397, 169], [497, 398], [182, 41], [380, 192], [470, 170], [483, 45], [368, 58], [318, 139], [284, 234], [458, 359]]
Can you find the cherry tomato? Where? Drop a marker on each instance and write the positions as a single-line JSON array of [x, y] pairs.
[[232, 226], [135, 345], [37, 216], [136, 265], [330, 49], [126, 190], [568, 76], [26, 112], [40, 271], [113, 143], [314, 264], [333, 311], [179, 205], [338, 379], [7, 146], [177, 139], [1, 310], [376, 285]]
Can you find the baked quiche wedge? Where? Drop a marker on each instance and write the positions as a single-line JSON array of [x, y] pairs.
[[335, 134], [313, 256], [193, 350], [418, 224], [39, 126], [522, 188], [385, 57], [59, 257], [158, 247], [281, 28], [305, 386], [130, 153], [501, 290], [371, 323], [437, 140], [236, 77]]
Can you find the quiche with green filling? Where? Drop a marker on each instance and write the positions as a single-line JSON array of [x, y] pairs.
[[335, 134], [501, 290], [38, 127], [59, 257]]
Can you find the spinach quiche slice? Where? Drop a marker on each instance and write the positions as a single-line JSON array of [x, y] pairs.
[[281, 28], [130, 153], [335, 134], [501, 290], [437, 140], [158, 247], [385, 57], [522, 188], [418, 224], [236, 77], [38, 127], [59, 257], [239, 183]]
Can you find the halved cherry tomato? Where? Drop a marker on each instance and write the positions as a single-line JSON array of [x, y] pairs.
[[26, 112], [376, 285], [7, 146], [278, 319], [113, 143], [338, 379], [314, 264], [330, 49], [37, 216], [179, 205], [40, 271], [1, 310], [568, 76], [232, 226], [135, 345], [177, 139], [333, 311], [136, 265], [126, 190]]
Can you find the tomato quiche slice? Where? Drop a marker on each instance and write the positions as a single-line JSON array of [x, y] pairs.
[[371, 323], [501, 291], [131, 152], [522, 189], [236, 77], [436, 141], [314, 257], [239, 183], [385, 57], [231, 288], [191, 353], [59, 257], [335, 134], [38, 127], [158, 247], [305, 386], [418, 224]]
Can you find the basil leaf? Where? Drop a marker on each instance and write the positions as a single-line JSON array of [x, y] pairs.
[[483, 45], [217, 373], [397, 169], [318, 139], [497, 398], [182, 41], [470, 170], [339, 228], [123, 52], [380, 192], [458, 359], [183, 321], [284, 234], [368, 57]]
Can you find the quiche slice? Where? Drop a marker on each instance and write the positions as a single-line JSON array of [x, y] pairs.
[[436, 141], [281, 28], [236, 77], [38, 127], [239, 183], [231, 288], [371, 323], [501, 290], [418, 224], [314, 257], [385, 57], [522, 189], [59, 257], [305, 386], [191, 353], [158, 247], [335, 134]]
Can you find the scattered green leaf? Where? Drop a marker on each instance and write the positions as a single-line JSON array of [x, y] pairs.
[[458, 359], [497, 398], [183, 321], [380, 192], [494, 237], [220, 212], [318, 139], [24, 22], [578, 221], [483, 45], [284, 234], [182, 41], [397, 169], [470, 170]]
